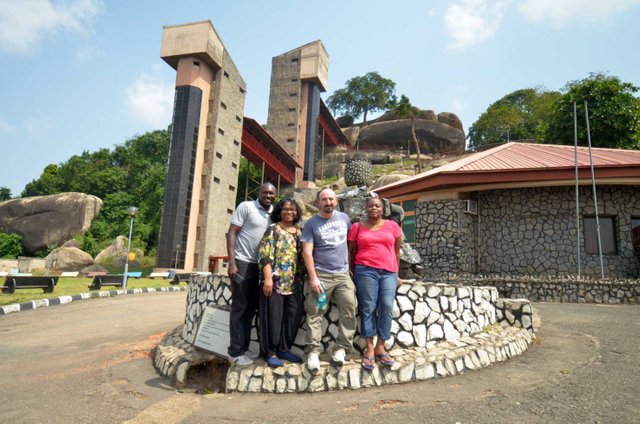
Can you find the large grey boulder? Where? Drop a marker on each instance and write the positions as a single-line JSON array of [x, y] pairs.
[[68, 259], [44, 221], [384, 180], [118, 251], [433, 136], [117, 248]]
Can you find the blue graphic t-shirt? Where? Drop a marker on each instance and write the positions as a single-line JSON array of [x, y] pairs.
[[329, 238]]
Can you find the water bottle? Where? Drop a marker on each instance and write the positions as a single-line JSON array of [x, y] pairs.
[[322, 298]]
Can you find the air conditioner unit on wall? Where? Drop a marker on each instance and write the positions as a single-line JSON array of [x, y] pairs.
[[471, 207]]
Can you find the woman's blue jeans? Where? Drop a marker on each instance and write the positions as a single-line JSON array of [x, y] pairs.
[[376, 290]]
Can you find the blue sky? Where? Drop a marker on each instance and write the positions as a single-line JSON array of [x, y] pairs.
[[86, 74]]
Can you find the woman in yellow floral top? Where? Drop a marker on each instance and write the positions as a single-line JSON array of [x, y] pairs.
[[281, 303]]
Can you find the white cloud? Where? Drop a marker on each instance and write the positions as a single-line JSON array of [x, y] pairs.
[[561, 12], [469, 22], [39, 125], [6, 127], [150, 99], [458, 96], [25, 23]]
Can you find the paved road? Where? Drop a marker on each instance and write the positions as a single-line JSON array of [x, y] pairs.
[[86, 362]]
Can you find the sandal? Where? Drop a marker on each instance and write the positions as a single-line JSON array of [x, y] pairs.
[[385, 359], [368, 363]]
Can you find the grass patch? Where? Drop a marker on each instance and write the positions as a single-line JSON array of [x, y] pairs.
[[566, 371], [71, 286]]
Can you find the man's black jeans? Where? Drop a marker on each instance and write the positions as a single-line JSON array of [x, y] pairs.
[[244, 306]]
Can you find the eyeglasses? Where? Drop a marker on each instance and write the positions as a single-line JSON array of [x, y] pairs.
[[290, 210]]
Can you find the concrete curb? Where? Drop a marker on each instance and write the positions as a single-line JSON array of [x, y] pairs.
[[61, 300]]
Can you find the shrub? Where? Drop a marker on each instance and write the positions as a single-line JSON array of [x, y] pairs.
[[10, 246]]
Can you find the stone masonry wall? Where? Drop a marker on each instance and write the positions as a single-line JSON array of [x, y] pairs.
[[423, 313], [439, 330], [445, 237], [531, 231]]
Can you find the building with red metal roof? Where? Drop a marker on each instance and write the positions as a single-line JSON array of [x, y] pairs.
[[511, 210]]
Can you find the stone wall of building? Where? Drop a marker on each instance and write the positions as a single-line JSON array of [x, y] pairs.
[[284, 101], [567, 289], [221, 164], [445, 237], [531, 231], [526, 231]]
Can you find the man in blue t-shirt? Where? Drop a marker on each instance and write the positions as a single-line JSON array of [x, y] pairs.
[[326, 257], [248, 224]]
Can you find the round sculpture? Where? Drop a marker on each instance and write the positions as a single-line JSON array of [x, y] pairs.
[[358, 172]]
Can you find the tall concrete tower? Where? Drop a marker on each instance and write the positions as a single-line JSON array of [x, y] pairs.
[[204, 155], [297, 78]]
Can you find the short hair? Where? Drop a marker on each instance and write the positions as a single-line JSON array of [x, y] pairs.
[[276, 214], [265, 185], [375, 198], [324, 189]]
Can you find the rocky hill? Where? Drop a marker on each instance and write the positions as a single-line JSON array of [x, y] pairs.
[[441, 133]]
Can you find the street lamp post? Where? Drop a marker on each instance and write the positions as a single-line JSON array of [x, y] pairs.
[[132, 212], [177, 252]]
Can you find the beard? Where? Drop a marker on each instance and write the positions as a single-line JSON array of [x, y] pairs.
[[328, 208]]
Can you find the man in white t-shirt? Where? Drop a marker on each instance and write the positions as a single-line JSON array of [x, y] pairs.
[[248, 224]]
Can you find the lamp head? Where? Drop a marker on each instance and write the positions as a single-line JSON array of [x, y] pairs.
[[132, 211]]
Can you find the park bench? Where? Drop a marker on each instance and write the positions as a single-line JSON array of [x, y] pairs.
[[96, 273], [180, 276], [13, 282], [114, 280], [134, 274], [69, 274], [3, 273], [159, 275]]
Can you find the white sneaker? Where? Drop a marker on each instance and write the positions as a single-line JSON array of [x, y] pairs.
[[242, 360], [313, 362], [338, 357], [251, 355]]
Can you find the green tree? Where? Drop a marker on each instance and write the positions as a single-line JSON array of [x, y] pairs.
[[131, 174], [362, 95], [49, 182], [5, 193], [10, 246], [614, 113], [404, 109], [523, 114]]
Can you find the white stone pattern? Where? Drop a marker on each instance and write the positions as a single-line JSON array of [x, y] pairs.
[[442, 359], [452, 311], [428, 318]]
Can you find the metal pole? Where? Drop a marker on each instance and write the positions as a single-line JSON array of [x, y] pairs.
[[126, 260], [322, 158], [278, 184], [575, 140], [246, 182], [262, 176], [175, 266], [595, 196]]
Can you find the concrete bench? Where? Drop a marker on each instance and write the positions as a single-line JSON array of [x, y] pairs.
[[134, 274], [13, 282], [159, 275], [180, 276], [69, 274], [99, 281], [96, 273]]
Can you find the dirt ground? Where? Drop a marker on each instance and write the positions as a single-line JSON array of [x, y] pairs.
[[88, 362]]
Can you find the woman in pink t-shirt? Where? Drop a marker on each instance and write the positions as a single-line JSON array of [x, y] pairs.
[[374, 247]]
